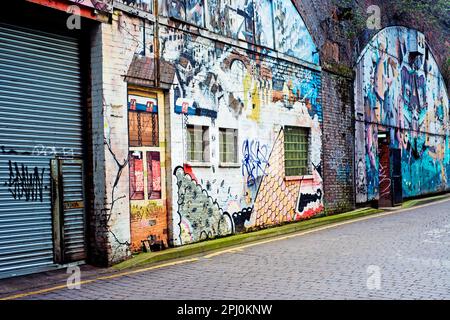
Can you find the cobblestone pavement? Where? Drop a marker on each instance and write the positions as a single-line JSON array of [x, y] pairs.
[[409, 251]]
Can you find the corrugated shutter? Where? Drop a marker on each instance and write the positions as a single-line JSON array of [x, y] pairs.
[[40, 119], [73, 210]]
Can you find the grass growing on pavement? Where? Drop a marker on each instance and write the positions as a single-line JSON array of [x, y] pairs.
[[237, 239], [418, 202]]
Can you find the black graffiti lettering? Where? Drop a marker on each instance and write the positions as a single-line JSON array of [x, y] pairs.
[[24, 183]]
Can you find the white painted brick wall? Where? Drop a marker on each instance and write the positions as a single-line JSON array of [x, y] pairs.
[[113, 50]]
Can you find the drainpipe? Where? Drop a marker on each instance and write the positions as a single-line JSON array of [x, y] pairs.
[[156, 44]]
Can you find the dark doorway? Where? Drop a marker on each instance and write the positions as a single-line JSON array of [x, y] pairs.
[[397, 190]]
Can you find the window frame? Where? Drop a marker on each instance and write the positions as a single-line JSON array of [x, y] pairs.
[[154, 118], [235, 150], [205, 143], [303, 170]]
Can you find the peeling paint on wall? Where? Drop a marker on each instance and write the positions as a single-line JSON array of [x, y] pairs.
[[147, 219]]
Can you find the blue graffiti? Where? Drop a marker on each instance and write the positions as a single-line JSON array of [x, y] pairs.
[[255, 161]]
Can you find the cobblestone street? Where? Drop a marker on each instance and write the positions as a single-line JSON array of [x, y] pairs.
[[411, 251]]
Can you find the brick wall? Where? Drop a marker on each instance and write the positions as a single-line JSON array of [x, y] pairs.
[[98, 233], [338, 143], [113, 48]]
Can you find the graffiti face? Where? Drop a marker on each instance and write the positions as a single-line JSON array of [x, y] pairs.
[[361, 184]]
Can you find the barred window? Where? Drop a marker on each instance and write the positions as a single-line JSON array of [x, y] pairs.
[[228, 140], [197, 143], [143, 129], [296, 147]]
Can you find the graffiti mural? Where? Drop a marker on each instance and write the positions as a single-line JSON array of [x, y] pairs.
[[401, 92], [103, 5], [241, 219], [213, 75], [280, 200], [147, 220], [199, 216], [263, 23], [292, 36], [233, 19], [191, 11], [220, 86], [272, 24]]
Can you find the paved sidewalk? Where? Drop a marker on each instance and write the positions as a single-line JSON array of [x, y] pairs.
[[396, 256]]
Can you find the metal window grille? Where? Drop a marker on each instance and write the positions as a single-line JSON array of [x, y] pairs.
[[143, 129], [296, 147]]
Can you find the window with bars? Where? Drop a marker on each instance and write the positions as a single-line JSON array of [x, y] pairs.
[[197, 143], [296, 150], [228, 140], [143, 129]]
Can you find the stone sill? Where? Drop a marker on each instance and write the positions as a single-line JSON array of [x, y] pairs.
[[299, 178], [229, 165], [199, 164]]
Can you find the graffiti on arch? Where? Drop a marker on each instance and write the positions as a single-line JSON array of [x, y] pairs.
[[404, 95]]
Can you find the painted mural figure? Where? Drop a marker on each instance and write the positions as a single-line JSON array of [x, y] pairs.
[[405, 96]]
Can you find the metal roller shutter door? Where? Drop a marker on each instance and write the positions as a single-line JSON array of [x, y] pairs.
[[40, 120]]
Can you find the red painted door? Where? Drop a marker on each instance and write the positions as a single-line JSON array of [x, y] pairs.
[[384, 172]]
